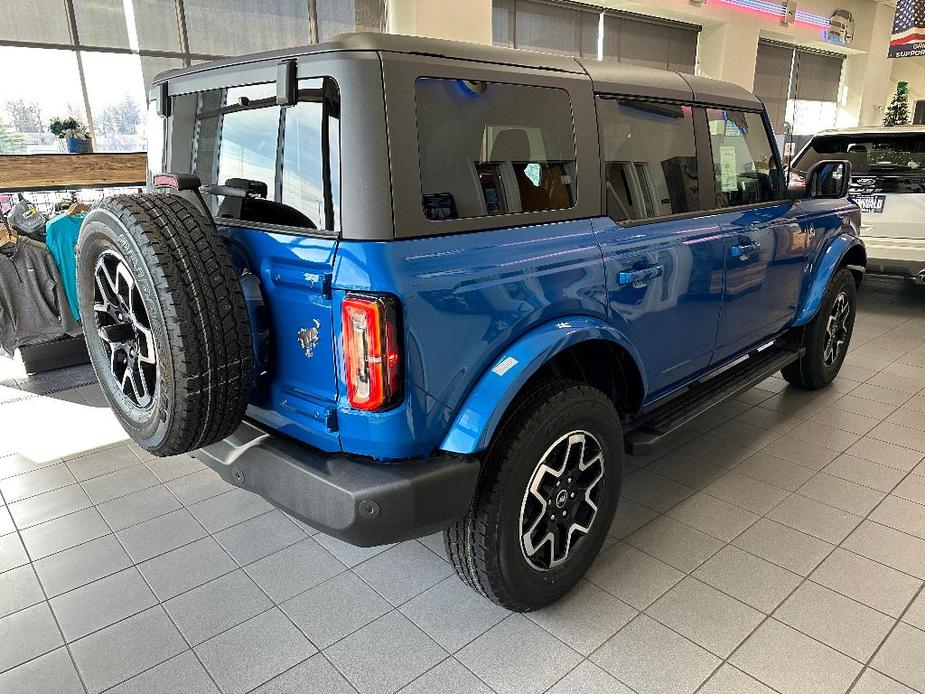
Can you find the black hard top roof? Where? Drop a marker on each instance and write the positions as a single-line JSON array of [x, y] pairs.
[[611, 77]]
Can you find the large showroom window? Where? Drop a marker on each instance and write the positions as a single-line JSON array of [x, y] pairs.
[[93, 59], [800, 89], [589, 33], [513, 152], [650, 159]]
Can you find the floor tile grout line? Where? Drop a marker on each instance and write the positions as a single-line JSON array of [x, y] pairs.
[[584, 660], [623, 539], [807, 578], [767, 616], [317, 654], [886, 637], [53, 616], [789, 494], [665, 592], [272, 600], [763, 621], [63, 459], [137, 565], [160, 604], [660, 514], [79, 483], [135, 525]]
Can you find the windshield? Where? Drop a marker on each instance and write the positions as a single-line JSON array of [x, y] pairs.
[[868, 154]]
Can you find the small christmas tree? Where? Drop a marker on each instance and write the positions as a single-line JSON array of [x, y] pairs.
[[897, 113]]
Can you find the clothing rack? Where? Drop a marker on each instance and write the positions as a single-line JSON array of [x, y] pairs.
[[45, 199], [67, 350], [53, 181]]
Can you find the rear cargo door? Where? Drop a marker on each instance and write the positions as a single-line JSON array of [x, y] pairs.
[[291, 316], [271, 179]]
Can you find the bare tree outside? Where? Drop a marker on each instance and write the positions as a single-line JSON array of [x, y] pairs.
[[120, 118], [25, 116]]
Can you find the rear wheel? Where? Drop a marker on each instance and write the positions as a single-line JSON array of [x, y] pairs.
[[165, 321], [546, 497], [827, 336]]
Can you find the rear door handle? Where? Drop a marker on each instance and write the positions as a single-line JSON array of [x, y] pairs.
[[639, 277], [743, 250]]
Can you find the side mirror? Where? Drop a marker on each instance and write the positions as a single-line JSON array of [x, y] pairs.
[[827, 179]]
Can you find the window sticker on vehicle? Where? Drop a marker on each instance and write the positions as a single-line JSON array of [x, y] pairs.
[[727, 168], [869, 203]]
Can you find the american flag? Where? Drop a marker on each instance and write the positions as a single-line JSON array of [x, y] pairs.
[[908, 35]]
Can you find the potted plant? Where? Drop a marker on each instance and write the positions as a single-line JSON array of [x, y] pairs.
[[75, 134]]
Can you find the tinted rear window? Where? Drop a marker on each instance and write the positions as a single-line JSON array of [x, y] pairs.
[[489, 148], [868, 154]]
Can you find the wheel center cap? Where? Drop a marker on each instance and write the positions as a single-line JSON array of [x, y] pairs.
[[561, 498]]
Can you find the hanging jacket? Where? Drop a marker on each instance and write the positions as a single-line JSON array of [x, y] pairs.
[[33, 306], [61, 239]]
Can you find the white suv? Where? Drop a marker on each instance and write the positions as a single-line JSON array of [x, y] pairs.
[[888, 184]]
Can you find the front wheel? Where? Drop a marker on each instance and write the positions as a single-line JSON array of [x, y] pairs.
[[546, 497], [827, 336]]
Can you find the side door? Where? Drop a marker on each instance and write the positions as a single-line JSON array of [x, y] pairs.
[[765, 246], [663, 259]]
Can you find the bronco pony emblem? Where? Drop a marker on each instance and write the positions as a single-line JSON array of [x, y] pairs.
[[308, 338]]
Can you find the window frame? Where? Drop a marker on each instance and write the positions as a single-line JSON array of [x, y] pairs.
[[573, 193], [705, 164], [782, 194], [704, 167], [400, 71], [331, 223]]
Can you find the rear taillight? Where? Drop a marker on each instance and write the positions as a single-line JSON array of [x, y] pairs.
[[372, 353]]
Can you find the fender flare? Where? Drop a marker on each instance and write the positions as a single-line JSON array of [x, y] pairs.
[[826, 265], [482, 410]]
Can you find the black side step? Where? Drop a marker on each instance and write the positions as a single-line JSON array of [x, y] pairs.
[[646, 430]]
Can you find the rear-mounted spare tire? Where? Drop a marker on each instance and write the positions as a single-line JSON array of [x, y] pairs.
[[165, 321]]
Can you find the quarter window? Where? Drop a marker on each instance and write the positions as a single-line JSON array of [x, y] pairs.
[[489, 148], [650, 159], [745, 168]]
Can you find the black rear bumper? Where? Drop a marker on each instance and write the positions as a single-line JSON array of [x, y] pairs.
[[357, 500]]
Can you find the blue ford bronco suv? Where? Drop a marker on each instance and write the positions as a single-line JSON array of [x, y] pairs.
[[400, 285]]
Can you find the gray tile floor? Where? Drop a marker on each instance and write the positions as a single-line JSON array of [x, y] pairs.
[[778, 544]]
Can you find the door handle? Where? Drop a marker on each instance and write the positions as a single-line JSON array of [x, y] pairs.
[[639, 277], [743, 250]]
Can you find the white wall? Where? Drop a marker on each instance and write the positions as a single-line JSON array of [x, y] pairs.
[[461, 20]]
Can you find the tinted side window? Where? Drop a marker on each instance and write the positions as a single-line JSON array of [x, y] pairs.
[[489, 148], [650, 159], [745, 170], [235, 143]]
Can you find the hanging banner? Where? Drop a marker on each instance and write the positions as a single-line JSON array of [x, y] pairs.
[[908, 36]]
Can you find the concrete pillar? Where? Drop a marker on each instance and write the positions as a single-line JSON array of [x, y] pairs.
[[728, 51], [865, 78], [460, 20]]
